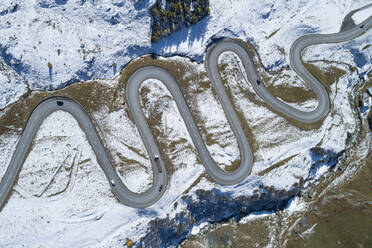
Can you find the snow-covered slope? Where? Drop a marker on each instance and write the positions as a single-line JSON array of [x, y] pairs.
[[12, 85], [95, 39], [62, 197], [81, 39]]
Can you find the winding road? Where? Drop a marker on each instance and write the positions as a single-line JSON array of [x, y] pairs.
[[160, 178]]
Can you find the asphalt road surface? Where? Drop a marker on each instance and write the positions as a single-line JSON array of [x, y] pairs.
[[160, 179]]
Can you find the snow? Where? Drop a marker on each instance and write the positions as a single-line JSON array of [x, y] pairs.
[[309, 230], [8, 144], [354, 52], [88, 204], [12, 86], [362, 15], [196, 229], [118, 144], [254, 216], [81, 39], [94, 39], [62, 196]]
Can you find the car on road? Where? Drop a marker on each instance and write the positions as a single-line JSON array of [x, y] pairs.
[[156, 158]]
